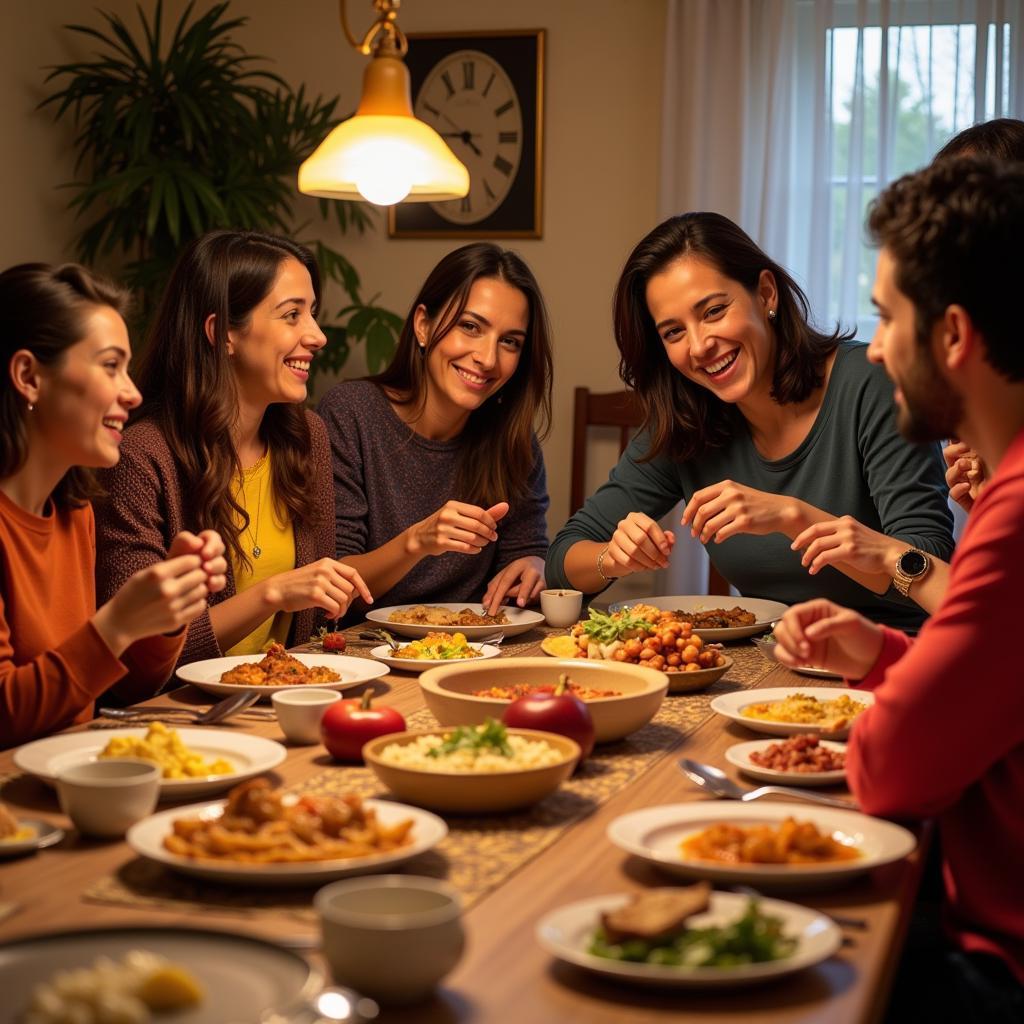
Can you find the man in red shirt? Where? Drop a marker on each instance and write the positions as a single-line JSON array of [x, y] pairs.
[[945, 737]]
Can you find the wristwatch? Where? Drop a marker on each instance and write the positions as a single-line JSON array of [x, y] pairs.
[[910, 566]]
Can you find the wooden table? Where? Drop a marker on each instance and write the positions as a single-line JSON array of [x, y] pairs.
[[504, 975]]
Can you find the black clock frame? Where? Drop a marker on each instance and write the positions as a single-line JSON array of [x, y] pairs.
[[521, 53]]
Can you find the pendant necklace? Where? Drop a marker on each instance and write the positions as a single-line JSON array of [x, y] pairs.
[[255, 537]]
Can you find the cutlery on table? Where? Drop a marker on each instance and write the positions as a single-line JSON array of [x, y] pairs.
[[714, 780], [495, 639], [331, 1004], [381, 636], [218, 713]]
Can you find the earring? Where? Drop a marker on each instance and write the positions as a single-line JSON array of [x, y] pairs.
[[423, 349], [771, 314], [30, 406]]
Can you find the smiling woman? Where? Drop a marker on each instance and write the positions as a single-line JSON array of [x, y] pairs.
[[222, 439], [452, 417]]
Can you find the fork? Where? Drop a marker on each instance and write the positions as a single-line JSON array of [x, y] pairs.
[[494, 638], [232, 705]]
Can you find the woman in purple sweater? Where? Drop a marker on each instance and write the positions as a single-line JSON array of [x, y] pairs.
[[440, 492]]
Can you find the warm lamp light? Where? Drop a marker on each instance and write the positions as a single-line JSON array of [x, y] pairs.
[[383, 153]]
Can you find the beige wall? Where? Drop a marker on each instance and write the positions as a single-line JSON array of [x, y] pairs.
[[603, 108]]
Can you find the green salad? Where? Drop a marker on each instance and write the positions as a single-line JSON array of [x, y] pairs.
[[753, 938]]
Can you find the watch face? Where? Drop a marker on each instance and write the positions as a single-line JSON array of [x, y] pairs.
[[470, 101], [912, 563]]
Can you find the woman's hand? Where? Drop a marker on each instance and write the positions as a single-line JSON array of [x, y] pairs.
[[210, 549], [327, 584], [456, 526], [965, 474], [522, 579], [726, 509], [828, 636], [851, 542], [637, 544]]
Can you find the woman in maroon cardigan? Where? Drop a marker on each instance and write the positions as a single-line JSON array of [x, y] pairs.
[[222, 440]]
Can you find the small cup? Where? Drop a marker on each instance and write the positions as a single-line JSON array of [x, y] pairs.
[[561, 607], [299, 712], [105, 798], [393, 937]]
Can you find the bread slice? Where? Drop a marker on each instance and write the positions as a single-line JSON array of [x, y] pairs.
[[656, 912]]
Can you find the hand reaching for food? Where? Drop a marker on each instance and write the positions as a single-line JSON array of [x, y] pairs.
[[457, 526], [965, 474], [522, 580], [824, 634], [325, 583]]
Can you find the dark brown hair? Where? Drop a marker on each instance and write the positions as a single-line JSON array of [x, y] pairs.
[[1002, 138], [190, 388], [43, 309], [505, 422], [954, 231], [682, 419]]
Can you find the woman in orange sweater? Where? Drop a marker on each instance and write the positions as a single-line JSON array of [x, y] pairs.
[[65, 395]]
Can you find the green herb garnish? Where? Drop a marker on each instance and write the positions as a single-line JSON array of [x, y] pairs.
[[606, 629], [492, 735]]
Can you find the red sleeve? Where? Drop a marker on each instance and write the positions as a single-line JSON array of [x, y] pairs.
[[953, 704]]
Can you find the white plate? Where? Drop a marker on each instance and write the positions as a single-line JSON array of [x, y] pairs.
[[739, 755], [566, 934], [765, 612], [353, 671], [146, 838], [654, 834], [420, 664], [241, 976], [44, 834], [520, 620], [249, 755], [732, 704], [767, 647]]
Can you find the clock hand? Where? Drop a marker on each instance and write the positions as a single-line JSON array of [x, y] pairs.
[[467, 138]]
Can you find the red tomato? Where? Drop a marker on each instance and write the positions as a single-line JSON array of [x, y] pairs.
[[335, 642], [348, 724]]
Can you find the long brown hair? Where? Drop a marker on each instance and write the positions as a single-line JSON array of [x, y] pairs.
[[43, 309], [682, 419], [189, 386], [506, 420]]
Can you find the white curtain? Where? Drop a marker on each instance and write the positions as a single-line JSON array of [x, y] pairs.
[[789, 116]]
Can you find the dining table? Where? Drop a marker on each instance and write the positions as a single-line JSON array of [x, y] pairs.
[[511, 870]]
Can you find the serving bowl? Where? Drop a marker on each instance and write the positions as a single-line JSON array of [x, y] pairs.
[[465, 792], [448, 691], [688, 682]]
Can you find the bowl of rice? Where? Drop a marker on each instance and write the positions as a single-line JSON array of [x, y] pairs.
[[450, 770]]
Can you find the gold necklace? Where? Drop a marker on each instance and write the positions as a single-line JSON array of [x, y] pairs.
[[255, 537]]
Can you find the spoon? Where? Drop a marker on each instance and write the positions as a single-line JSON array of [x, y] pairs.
[[333, 1004], [716, 781], [218, 713]]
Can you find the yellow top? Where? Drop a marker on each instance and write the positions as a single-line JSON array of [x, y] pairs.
[[274, 541]]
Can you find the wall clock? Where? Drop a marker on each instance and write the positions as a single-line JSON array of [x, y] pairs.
[[483, 93]]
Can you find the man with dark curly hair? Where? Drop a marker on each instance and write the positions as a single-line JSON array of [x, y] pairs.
[[935, 743]]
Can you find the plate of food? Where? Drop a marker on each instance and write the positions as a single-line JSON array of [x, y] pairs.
[[259, 836], [766, 845], [437, 648], [19, 836], [804, 760], [279, 670], [713, 617], [688, 937], [188, 975], [767, 644], [788, 710], [471, 620], [195, 762]]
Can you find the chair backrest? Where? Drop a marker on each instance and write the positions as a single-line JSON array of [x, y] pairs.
[[615, 409]]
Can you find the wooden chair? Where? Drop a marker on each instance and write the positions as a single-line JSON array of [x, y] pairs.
[[615, 409]]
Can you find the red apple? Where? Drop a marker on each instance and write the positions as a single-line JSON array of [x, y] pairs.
[[349, 724], [558, 712]]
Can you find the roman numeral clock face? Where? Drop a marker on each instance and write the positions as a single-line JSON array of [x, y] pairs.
[[470, 101]]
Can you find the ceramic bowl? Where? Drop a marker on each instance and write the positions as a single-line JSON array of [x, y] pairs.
[[299, 712], [465, 792], [105, 798], [448, 691], [688, 682]]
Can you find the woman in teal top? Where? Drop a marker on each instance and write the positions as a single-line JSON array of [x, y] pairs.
[[762, 424]]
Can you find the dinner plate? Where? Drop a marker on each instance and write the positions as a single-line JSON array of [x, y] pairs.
[[765, 612], [250, 755], [353, 671], [739, 755], [566, 934], [654, 835], [241, 976], [382, 653], [732, 704], [520, 620], [43, 834], [766, 646], [146, 838]]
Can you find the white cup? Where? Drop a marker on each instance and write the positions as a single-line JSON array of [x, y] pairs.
[[299, 712], [561, 607], [392, 937], [106, 797]]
